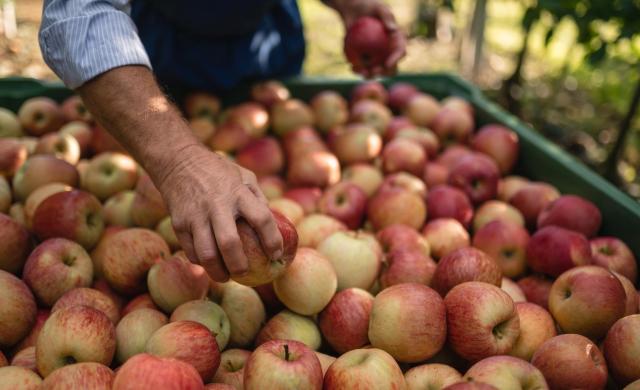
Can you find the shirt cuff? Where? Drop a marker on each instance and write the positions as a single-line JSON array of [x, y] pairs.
[[81, 48]]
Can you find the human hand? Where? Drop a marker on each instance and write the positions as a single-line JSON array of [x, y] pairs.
[[205, 194], [351, 10]]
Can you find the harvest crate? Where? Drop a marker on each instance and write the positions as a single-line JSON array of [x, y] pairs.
[[539, 158]]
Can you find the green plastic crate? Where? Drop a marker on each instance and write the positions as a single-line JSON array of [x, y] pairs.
[[539, 158]]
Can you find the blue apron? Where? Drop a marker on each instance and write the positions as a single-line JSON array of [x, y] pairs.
[[218, 44]]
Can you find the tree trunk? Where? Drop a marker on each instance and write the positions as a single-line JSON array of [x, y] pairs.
[[515, 80], [472, 46]]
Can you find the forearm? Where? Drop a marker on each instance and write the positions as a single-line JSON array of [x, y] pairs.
[[129, 104]]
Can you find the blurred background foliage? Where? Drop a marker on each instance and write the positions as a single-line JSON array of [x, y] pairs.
[[568, 67]]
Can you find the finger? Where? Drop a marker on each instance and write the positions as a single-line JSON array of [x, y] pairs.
[[207, 252], [228, 241], [255, 189], [262, 221], [186, 242], [398, 47], [383, 12]]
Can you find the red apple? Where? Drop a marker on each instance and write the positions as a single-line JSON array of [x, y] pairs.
[[452, 125], [396, 124], [201, 104], [422, 136], [314, 228], [621, 348], [83, 296], [231, 370], [40, 115], [142, 301], [404, 181], [245, 311], [536, 289], [301, 141], [366, 43], [289, 115], [272, 186], [452, 155], [428, 376], [307, 197], [203, 128], [174, 281], [40, 170], [509, 185], [422, 109], [369, 90], [287, 325], [282, 364], [371, 113], [24, 358], [506, 372], [38, 196], [536, 327], [82, 132], [208, 314], [615, 255], [515, 292], [506, 243], [73, 335], [289, 208], [148, 206], [400, 93], [403, 155], [14, 245], [19, 378], [229, 137], [329, 110], [553, 250], [344, 322], [407, 266], [496, 210], [346, 202], [12, 155], [62, 146], [32, 336], [444, 236], [458, 103], [269, 298], [587, 300], [135, 329], [365, 176], [75, 215], [109, 173], [189, 342], [269, 92], [401, 237], [253, 117], [571, 361], [356, 143], [632, 298], [477, 175], [532, 198], [473, 385], [117, 209], [572, 212], [482, 320], [263, 156], [147, 372], [318, 168], [435, 174], [73, 109], [17, 310], [445, 201], [499, 143], [391, 207], [465, 265], [94, 376], [368, 368]]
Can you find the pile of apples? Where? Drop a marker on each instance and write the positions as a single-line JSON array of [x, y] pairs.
[[414, 258]]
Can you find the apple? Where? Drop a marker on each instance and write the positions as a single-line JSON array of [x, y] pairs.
[[56, 266], [587, 300], [116, 211], [325, 361], [289, 208], [632, 296], [287, 325], [127, 257], [245, 311], [144, 371], [73, 335], [148, 206], [25, 358], [553, 250], [13, 154], [493, 210], [289, 115], [201, 104], [269, 298], [536, 327], [19, 378], [252, 116], [317, 168], [371, 113], [75, 215], [208, 314], [452, 155], [15, 245], [452, 125], [109, 173], [477, 175], [165, 229], [367, 43], [9, 124], [307, 197], [444, 236], [369, 90], [571, 361], [513, 289], [532, 198], [536, 289], [404, 181], [40, 115], [445, 201], [5, 195], [391, 207], [407, 266], [465, 265], [282, 364], [499, 143], [509, 185], [202, 128], [134, 330], [329, 110], [302, 140], [315, 228], [40, 170], [421, 328], [262, 269], [263, 156], [423, 137], [473, 385], [356, 258], [62, 146], [507, 372], [615, 255], [142, 301], [85, 375], [621, 347], [365, 176], [396, 124], [17, 310], [459, 103], [369, 368], [505, 242], [346, 202], [422, 109], [435, 174], [269, 92], [356, 143], [32, 334], [174, 281], [431, 376], [402, 154], [400, 93], [188, 341], [572, 212], [73, 109], [482, 320], [231, 370], [344, 322], [229, 137], [90, 297], [272, 186], [38, 196]]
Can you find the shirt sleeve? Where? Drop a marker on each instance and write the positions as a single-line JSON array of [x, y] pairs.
[[80, 39]]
